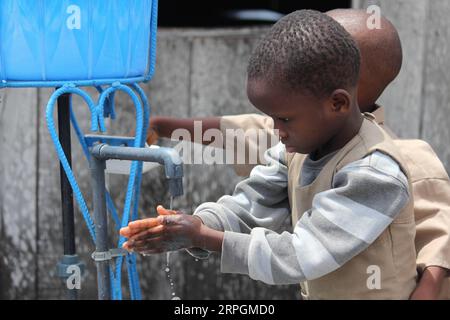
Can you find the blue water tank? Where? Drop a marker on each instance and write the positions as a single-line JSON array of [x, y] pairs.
[[72, 40]]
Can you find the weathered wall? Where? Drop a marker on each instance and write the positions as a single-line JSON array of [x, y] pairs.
[[18, 202], [418, 101]]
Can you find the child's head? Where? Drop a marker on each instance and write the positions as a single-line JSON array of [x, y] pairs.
[[304, 75], [381, 53]]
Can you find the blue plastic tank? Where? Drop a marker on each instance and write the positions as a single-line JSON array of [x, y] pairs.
[[75, 40]]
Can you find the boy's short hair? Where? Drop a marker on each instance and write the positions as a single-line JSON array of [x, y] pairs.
[[307, 50]]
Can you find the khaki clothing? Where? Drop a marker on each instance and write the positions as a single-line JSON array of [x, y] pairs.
[[392, 253], [252, 145], [430, 185]]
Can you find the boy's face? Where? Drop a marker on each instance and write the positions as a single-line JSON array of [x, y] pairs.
[[305, 123]]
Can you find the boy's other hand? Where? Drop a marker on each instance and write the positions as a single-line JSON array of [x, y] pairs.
[[430, 284], [152, 136], [152, 133]]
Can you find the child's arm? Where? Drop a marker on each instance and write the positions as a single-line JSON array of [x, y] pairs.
[[171, 230], [165, 126], [259, 201], [431, 190], [252, 134], [366, 197], [432, 210], [256, 135], [430, 284]]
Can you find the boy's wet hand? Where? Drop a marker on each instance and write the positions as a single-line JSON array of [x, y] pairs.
[[138, 226], [170, 231]]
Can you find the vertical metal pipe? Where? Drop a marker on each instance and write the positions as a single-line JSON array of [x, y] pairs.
[[68, 222], [66, 189], [97, 168]]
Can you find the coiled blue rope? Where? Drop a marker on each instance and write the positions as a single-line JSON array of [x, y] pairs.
[[60, 153], [97, 122], [153, 31], [109, 202], [133, 189], [137, 187], [135, 175]]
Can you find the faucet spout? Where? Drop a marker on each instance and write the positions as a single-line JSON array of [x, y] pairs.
[[168, 157]]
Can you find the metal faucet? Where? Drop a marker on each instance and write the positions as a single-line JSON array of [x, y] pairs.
[[168, 157]]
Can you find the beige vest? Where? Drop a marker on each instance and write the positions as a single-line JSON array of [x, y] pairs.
[[392, 256]]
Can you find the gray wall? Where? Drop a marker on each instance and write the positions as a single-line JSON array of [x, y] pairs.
[[418, 101], [199, 73]]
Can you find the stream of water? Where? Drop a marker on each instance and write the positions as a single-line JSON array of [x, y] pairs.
[[173, 296]]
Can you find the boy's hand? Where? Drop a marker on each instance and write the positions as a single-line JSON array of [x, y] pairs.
[[170, 231], [153, 132], [430, 284], [152, 136]]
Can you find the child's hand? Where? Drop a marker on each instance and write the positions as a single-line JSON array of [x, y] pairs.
[[170, 231], [156, 129], [430, 284], [152, 136], [152, 133]]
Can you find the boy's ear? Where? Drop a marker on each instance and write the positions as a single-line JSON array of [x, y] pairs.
[[340, 100]]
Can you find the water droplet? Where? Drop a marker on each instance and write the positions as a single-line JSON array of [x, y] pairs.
[[168, 258], [196, 260], [167, 269], [176, 298], [173, 293]]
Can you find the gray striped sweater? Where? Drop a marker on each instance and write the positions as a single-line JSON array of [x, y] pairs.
[[365, 197]]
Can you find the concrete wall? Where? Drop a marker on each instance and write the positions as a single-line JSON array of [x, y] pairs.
[[198, 73], [418, 101]]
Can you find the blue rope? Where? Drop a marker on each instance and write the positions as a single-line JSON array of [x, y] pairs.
[[60, 153], [153, 31], [80, 83], [133, 190], [137, 188], [105, 108], [147, 111], [109, 202], [109, 109], [134, 176]]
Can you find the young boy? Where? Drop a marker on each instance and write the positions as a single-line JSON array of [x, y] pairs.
[[350, 196], [430, 182], [380, 64]]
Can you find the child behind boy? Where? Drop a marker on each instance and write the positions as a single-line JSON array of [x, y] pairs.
[[351, 202]]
